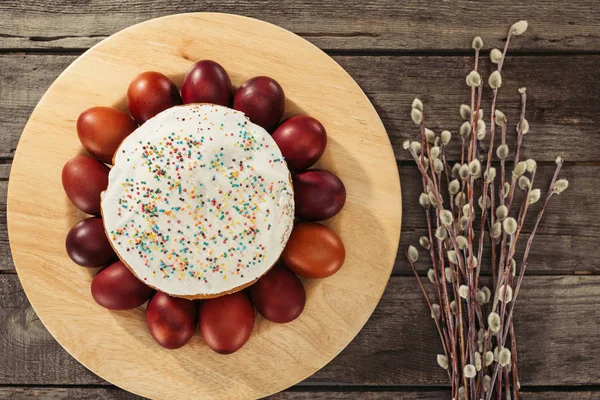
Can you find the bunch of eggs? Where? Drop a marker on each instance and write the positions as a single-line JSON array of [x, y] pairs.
[[313, 250]]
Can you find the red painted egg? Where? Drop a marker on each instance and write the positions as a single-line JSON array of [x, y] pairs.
[[87, 244], [226, 322], [172, 321], [302, 141], [207, 82], [318, 194], [279, 295], [150, 93], [102, 129], [116, 288], [83, 179], [262, 100]]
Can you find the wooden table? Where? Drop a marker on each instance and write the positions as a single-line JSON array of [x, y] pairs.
[[395, 51]]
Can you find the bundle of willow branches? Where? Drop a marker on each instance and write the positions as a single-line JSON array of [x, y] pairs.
[[475, 322]]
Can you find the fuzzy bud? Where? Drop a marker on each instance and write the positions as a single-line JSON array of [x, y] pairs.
[[425, 163], [524, 182], [473, 79], [442, 361], [475, 168], [460, 199], [452, 257], [463, 172], [413, 253], [445, 137], [465, 130], [446, 217], [502, 151], [416, 146], [435, 311], [477, 43], [463, 291], [480, 297], [475, 262], [436, 142], [466, 210], [525, 126], [465, 112], [487, 292], [469, 371], [505, 189], [429, 135], [477, 361], [531, 165], [496, 230], [416, 115], [519, 169], [513, 267], [480, 129], [432, 199], [490, 174], [522, 90], [495, 56], [494, 322], [510, 225], [406, 144], [504, 357], [501, 212], [431, 276], [438, 165], [495, 80], [462, 242], [487, 202], [417, 104], [454, 187], [448, 274], [424, 242], [480, 114], [461, 393], [534, 196], [489, 358], [560, 186], [424, 200], [518, 28], [434, 152], [453, 306], [558, 160], [500, 118], [441, 233], [505, 293], [464, 223], [455, 169]]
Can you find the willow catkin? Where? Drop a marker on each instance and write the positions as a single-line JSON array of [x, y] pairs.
[[417, 104], [416, 115], [413, 253]]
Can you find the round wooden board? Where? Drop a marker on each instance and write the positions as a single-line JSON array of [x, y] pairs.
[[117, 345]]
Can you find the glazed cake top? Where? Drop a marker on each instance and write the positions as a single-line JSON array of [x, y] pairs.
[[199, 201]]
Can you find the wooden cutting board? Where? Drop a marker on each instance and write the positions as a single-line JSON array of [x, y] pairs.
[[117, 345]]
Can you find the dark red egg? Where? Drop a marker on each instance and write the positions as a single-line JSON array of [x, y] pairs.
[[87, 244], [83, 179], [313, 251], [207, 82], [102, 129], [226, 322], [318, 195], [150, 93], [279, 295], [172, 321], [116, 288], [302, 141], [262, 100]]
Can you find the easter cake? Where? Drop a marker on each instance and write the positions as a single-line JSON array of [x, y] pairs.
[[199, 201]]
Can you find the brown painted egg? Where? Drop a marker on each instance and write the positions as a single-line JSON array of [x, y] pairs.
[[172, 321], [279, 295], [116, 288], [150, 93], [313, 251], [87, 244], [318, 194], [83, 179]]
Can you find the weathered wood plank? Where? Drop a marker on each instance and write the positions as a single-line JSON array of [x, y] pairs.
[[396, 347], [112, 393], [562, 245], [562, 111], [383, 25]]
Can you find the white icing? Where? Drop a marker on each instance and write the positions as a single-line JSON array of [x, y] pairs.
[[158, 198]]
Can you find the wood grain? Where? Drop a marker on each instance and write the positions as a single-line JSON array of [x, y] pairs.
[[40, 215], [557, 320], [75, 393], [369, 25], [563, 112]]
